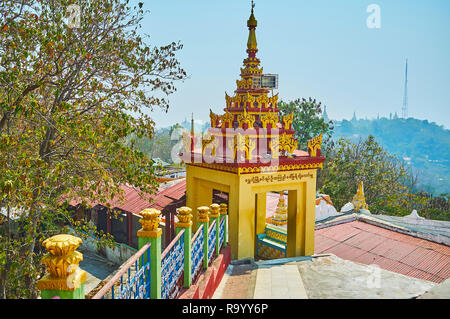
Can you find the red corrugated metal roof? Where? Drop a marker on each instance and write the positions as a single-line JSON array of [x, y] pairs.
[[168, 195], [134, 202], [369, 244]]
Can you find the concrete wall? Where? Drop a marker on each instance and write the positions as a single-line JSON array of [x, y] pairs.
[[118, 255], [119, 228]]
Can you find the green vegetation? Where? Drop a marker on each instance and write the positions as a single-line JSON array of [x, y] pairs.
[[307, 121], [390, 184], [160, 145], [69, 96], [425, 145]]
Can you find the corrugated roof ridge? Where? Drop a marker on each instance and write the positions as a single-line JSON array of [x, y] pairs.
[[373, 220]]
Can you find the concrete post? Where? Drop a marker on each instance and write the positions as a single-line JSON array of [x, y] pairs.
[[203, 219], [223, 214], [65, 279], [215, 215], [185, 222], [150, 232]]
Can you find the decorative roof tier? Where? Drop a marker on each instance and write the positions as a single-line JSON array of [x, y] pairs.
[[251, 131]]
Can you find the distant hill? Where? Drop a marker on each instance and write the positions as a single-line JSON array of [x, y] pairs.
[[423, 145]]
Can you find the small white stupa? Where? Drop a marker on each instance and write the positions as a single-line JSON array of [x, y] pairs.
[[413, 215]]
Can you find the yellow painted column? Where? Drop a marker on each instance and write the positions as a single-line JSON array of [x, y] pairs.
[[233, 221], [190, 191], [293, 224], [310, 212], [203, 197], [246, 220], [296, 221], [301, 211], [261, 212]]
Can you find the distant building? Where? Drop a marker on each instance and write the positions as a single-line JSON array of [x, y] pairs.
[[325, 115]]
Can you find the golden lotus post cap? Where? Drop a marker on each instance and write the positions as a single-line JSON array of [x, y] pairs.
[[150, 223], [184, 217], [215, 210], [184, 210], [61, 245], [223, 209], [203, 212], [62, 262], [150, 213]]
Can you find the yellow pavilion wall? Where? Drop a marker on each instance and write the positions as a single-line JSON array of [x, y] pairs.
[[247, 197]]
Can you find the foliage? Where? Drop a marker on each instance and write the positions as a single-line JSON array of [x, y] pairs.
[[160, 145], [69, 97], [383, 175], [425, 145], [427, 205], [308, 122]]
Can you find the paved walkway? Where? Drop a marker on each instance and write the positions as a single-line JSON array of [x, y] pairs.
[[320, 277], [238, 282], [279, 282], [258, 281]]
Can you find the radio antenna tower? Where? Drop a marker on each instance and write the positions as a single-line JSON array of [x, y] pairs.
[[405, 94]]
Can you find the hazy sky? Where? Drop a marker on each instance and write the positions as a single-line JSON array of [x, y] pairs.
[[321, 49]]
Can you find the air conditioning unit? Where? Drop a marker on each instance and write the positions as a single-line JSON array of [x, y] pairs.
[[269, 81], [265, 81]]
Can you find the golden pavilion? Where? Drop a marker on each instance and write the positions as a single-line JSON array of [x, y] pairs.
[[251, 150]]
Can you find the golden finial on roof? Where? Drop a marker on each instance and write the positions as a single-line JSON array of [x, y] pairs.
[[359, 200], [252, 21], [251, 24]]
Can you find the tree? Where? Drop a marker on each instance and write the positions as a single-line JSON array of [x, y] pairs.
[[385, 177], [307, 122], [69, 97]]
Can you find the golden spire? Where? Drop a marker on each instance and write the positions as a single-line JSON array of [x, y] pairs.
[[280, 217], [251, 24], [359, 200]]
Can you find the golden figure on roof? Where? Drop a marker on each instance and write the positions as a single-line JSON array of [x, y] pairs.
[[314, 145], [359, 200]]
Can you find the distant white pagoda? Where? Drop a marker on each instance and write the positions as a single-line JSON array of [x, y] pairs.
[[325, 115]]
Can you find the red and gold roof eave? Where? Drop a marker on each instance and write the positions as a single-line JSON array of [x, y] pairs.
[[256, 130], [283, 164], [252, 110]]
